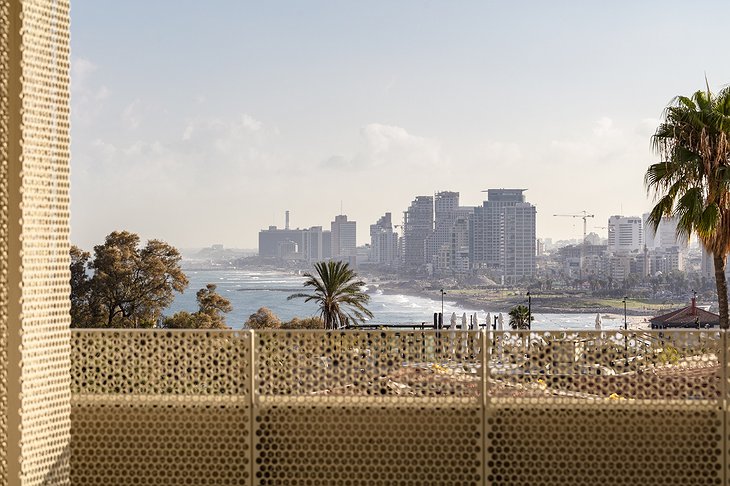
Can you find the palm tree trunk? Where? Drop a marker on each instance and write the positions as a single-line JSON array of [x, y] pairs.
[[721, 283]]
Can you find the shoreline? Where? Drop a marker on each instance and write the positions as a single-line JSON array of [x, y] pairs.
[[504, 305]]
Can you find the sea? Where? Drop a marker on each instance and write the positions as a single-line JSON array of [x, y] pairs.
[[248, 290]]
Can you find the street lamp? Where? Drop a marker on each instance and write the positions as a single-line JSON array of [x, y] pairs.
[[529, 311], [626, 337], [442, 301]]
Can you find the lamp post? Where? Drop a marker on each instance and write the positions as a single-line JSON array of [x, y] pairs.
[[442, 301], [626, 337], [529, 311]]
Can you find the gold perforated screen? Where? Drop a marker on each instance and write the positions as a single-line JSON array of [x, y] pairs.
[[4, 203], [35, 249], [605, 408], [368, 408], [311, 407], [160, 407]]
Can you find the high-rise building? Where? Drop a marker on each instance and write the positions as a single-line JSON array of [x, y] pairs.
[[625, 234], [344, 237], [313, 247], [272, 239], [459, 261], [446, 212], [417, 227], [383, 242], [503, 239], [326, 244]]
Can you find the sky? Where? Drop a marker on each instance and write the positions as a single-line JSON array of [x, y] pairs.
[[202, 122]]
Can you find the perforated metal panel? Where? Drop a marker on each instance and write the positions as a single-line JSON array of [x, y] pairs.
[[312, 407], [605, 408], [160, 407], [368, 408], [4, 203], [35, 259]]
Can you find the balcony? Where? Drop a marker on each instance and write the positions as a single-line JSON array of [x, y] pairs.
[[420, 408]]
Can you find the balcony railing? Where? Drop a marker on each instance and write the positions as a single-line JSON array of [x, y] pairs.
[[414, 408]]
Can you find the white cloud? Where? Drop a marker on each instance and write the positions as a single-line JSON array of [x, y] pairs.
[[392, 146], [88, 97], [131, 116], [81, 71]]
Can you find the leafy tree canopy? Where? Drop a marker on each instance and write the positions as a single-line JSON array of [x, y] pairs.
[[210, 315], [124, 285], [263, 318]]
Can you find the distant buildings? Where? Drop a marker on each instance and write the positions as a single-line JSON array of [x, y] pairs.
[[447, 248], [315, 249], [310, 245], [417, 228], [503, 235], [625, 234], [278, 243], [344, 237], [633, 248], [383, 242]]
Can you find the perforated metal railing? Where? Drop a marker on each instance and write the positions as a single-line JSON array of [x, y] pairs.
[[410, 408]]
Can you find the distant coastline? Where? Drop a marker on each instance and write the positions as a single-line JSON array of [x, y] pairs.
[[492, 299]]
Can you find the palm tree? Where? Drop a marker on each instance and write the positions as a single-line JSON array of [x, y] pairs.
[[338, 293], [519, 317], [692, 180]]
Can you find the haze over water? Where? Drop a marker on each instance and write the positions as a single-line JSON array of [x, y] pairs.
[[248, 290]]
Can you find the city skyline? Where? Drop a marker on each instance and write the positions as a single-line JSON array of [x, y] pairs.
[[208, 138]]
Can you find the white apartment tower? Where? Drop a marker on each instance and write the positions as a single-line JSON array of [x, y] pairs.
[[383, 242], [625, 234], [344, 237], [446, 213], [503, 239], [417, 227]]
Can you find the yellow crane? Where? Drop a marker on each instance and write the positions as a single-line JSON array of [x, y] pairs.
[[584, 216]]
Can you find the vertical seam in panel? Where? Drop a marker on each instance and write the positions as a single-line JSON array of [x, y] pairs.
[[485, 377], [15, 227], [251, 410]]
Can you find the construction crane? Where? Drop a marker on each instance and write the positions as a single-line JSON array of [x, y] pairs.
[[584, 216]]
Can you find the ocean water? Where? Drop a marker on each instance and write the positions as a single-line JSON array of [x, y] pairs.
[[248, 290]]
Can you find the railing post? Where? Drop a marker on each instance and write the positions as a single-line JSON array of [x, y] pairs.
[[252, 407], [484, 402]]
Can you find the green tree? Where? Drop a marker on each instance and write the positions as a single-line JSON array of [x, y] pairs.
[[210, 315], [131, 285], [519, 317], [85, 311], [263, 319], [213, 305], [338, 292], [305, 323], [691, 181]]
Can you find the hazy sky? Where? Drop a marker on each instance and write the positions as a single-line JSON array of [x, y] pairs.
[[202, 122]]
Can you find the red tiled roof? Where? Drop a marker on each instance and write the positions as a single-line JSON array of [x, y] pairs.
[[686, 317]]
